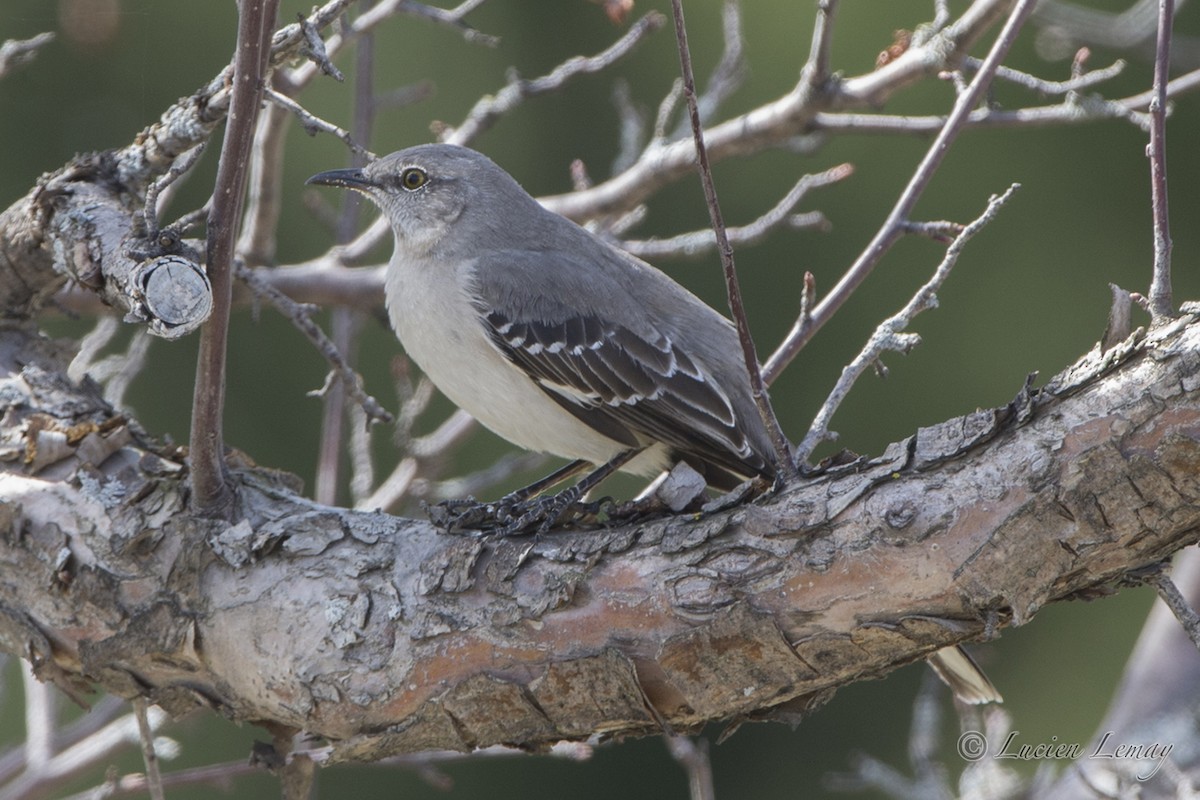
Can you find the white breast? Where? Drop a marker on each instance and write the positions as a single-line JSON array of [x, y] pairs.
[[442, 332]]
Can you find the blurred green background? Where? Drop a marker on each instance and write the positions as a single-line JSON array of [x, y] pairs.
[[1030, 294]]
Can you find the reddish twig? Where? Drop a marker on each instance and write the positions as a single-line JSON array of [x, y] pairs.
[[1161, 305], [783, 450], [256, 19]]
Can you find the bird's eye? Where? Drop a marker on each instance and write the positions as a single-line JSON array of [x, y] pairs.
[[413, 178]]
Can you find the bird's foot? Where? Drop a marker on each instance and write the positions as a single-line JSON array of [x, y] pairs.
[[513, 515]]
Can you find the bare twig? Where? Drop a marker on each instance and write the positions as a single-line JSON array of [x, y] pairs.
[[632, 127], [817, 70], [388, 494], [666, 109], [692, 755], [117, 371], [730, 72], [210, 491], [315, 50], [1185, 83], [1042, 86], [421, 450], [314, 124], [485, 112], [84, 754], [40, 720], [16, 53], [346, 324], [149, 756], [476, 483], [301, 318], [892, 227], [1161, 305], [890, 335], [1174, 600], [264, 201], [695, 242], [181, 167], [941, 15], [784, 463], [453, 17]]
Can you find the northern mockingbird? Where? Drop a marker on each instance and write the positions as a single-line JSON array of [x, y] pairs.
[[561, 343], [549, 336]]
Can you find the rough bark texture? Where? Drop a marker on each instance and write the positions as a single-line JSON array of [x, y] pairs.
[[385, 636]]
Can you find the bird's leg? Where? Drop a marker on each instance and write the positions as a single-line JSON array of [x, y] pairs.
[[542, 484], [546, 511]]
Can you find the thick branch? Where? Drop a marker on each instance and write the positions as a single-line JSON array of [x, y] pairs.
[[386, 637]]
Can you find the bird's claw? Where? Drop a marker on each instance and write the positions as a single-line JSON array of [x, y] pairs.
[[511, 515]]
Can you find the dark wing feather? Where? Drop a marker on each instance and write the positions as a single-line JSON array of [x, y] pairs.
[[633, 388]]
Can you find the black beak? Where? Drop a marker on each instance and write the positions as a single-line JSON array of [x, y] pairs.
[[348, 178]]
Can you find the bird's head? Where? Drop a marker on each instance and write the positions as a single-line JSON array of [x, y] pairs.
[[425, 190]]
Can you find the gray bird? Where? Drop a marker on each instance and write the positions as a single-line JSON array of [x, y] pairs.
[[548, 335], [561, 343]]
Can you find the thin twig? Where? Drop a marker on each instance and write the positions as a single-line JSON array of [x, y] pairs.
[[264, 197], [1161, 304], [485, 112], [314, 124], [71, 761], [695, 242], [631, 125], [1072, 111], [103, 711], [1188, 82], [454, 17], [476, 483], [210, 491], [302, 319], [784, 463], [1042, 86], [941, 15], [892, 228], [179, 168], [890, 335], [388, 494], [153, 777], [316, 52], [692, 755], [346, 324], [666, 109], [16, 53], [730, 72], [1169, 593], [40, 720], [817, 70]]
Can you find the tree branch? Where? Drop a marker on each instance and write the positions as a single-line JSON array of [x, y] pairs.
[[256, 20], [751, 612]]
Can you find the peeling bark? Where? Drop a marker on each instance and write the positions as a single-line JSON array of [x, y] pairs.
[[386, 636]]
